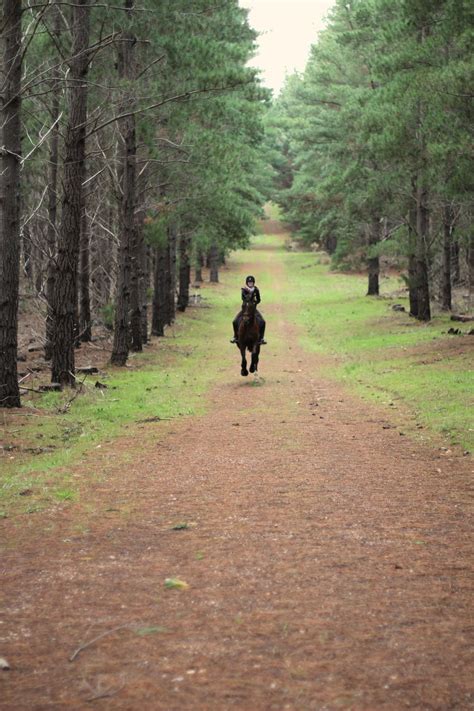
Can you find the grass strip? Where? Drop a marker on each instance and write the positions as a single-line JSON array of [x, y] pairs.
[[383, 354]]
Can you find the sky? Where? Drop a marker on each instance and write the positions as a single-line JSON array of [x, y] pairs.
[[287, 29]]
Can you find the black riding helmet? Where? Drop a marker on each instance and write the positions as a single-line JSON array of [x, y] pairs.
[[250, 278]]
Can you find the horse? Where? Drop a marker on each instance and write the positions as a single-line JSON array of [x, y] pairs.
[[248, 336]]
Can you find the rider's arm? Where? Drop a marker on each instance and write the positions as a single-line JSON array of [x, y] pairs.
[[257, 295]]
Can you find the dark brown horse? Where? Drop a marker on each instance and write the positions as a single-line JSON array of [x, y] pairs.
[[249, 336]]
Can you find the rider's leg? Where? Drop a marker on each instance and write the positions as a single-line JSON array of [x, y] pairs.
[[261, 325]]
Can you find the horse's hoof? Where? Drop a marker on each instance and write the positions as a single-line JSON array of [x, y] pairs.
[[244, 372], [252, 369]]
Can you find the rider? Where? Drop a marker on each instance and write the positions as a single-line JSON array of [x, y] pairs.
[[250, 288]]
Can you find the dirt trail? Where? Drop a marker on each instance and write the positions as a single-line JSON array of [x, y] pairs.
[[327, 556]]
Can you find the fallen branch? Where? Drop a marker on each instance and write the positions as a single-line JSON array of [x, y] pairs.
[[105, 694], [84, 646], [64, 408], [462, 318]]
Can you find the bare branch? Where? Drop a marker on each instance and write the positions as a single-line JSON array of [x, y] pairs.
[[42, 140], [155, 61], [178, 97]]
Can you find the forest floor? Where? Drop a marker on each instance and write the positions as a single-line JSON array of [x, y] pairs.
[[327, 557]]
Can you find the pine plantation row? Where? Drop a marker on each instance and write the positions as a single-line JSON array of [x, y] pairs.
[[130, 133], [373, 144], [137, 144]]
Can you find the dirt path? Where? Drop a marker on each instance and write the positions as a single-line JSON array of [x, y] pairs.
[[327, 558]]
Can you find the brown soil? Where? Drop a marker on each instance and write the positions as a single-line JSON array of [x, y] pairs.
[[327, 557]]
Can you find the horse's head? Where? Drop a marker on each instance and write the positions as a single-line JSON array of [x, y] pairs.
[[248, 308]]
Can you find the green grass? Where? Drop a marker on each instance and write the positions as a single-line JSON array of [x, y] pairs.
[[164, 382], [64, 495], [385, 355]]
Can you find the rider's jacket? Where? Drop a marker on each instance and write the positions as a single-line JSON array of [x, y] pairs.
[[255, 295]]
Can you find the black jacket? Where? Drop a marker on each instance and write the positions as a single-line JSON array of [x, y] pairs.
[[256, 294]]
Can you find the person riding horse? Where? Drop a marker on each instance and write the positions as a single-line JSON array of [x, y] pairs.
[[250, 292]]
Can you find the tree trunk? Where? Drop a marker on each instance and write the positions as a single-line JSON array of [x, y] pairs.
[[27, 256], [412, 291], [10, 133], [470, 263], [330, 243], [144, 278], [422, 210], [184, 272], [373, 261], [421, 255], [171, 273], [455, 261], [136, 293], [38, 275], [213, 259], [127, 251], [65, 285], [448, 229], [104, 258], [160, 294], [198, 267], [85, 320], [52, 196], [135, 287]]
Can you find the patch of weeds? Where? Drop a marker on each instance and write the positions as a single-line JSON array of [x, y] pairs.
[[143, 631], [33, 508], [175, 584], [64, 495], [82, 529]]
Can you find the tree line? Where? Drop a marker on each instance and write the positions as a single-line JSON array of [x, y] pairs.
[[372, 145], [130, 152]]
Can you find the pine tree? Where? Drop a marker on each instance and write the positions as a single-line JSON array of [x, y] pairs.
[[10, 108]]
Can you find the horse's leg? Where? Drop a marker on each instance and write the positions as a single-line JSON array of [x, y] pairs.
[[243, 367], [253, 367], [254, 364]]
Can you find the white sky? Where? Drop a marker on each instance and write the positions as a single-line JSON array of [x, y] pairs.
[[287, 29]]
